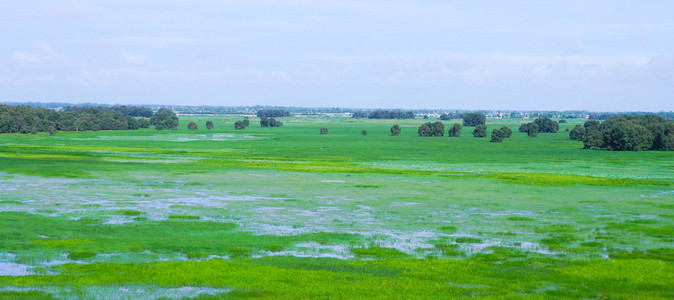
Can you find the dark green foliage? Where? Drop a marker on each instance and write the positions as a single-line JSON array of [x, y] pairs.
[[395, 130], [143, 122], [628, 136], [455, 131], [272, 113], [480, 131], [449, 116], [192, 126], [364, 132], [425, 116], [507, 132], [246, 121], [577, 133], [497, 136], [324, 130], [627, 133], [209, 125], [132, 111], [532, 130], [359, 114], [390, 114], [432, 129], [524, 127], [25, 119], [164, 119], [239, 125], [545, 125], [270, 122], [562, 121], [474, 119]]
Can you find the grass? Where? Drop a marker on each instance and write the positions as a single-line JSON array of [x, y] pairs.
[[303, 215]]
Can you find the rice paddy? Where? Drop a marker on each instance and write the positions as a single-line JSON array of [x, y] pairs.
[[290, 213]]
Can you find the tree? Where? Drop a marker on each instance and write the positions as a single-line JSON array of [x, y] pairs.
[[192, 126], [395, 130], [524, 127], [270, 122], [507, 132], [364, 132], [359, 114], [272, 113], [164, 119], [390, 114], [425, 116], [209, 125], [497, 136], [480, 131], [431, 129], [474, 119], [532, 130], [455, 131], [324, 130], [593, 140], [246, 121], [577, 133], [628, 136], [545, 125], [239, 125]]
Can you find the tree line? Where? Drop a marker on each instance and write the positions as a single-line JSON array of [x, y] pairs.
[[26, 119], [272, 113], [626, 133], [132, 111], [384, 114]]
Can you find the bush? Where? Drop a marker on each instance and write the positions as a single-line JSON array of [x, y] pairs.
[[532, 130], [577, 133], [395, 130], [364, 132], [545, 125], [474, 119], [455, 131], [192, 126], [164, 119], [209, 125], [431, 129], [507, 132], [272, 113], [480, 131], [270, 122], [239, 125], [324, 130], [497, 136], [524, 127]]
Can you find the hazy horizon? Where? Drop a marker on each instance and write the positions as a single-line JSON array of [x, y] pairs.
[[478, 55]]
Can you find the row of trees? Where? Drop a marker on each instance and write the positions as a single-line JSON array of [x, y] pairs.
[[626, 133], [272, 113], [26, 119], [540, 125], [474, 119], [164, 119], [389, 114], [449, 116], [270, 122], [241, 125], [132, 111]]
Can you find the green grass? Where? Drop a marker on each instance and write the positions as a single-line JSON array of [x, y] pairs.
[[304, 215]]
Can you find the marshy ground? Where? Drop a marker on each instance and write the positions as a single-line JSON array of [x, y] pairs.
[[290, 213]]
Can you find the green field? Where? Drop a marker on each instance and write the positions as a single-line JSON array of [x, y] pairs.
[[290, 213]]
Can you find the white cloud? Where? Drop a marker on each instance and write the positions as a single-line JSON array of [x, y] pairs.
[[41, 54]]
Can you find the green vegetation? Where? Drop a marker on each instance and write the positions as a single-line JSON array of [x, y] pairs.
[[474, 119], [626, 133], [431, 129], [287, 213]]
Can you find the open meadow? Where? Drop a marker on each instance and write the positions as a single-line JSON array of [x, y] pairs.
[[286, 212]]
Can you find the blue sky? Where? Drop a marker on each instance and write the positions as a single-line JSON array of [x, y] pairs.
[[521, 55]]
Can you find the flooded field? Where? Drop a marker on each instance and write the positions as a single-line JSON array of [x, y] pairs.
[[171, 214]]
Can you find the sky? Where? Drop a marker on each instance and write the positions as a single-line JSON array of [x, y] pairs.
[[509, 55]]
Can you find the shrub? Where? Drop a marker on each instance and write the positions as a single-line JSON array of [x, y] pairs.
[[474, 119], [324, 130], [395, 130], [455, 131], [497, 136], [532, 130], [192, 126], [364, 132], [431, 129], [480, 131]]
